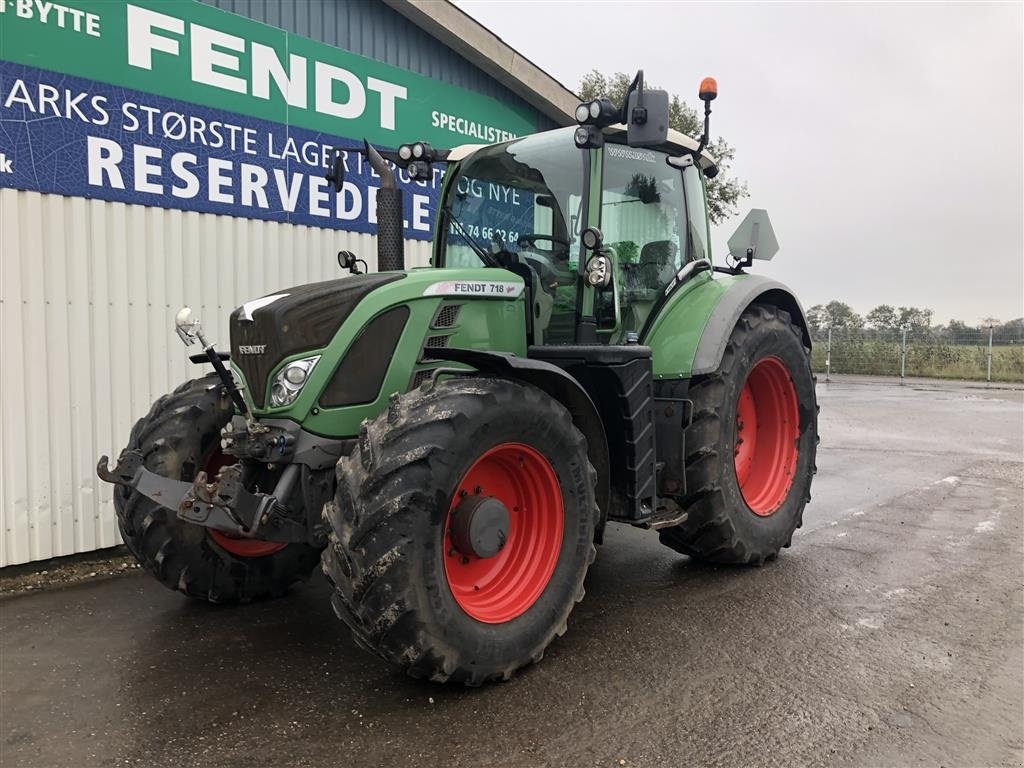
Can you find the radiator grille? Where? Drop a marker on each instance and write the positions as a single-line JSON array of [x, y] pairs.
[[432, 342], [447, 316], [420, 376]]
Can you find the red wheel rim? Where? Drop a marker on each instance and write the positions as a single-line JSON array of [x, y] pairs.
[[767, 432], [236, 545], [500, 588]]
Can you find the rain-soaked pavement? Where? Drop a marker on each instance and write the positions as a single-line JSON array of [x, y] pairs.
[[890, 634]]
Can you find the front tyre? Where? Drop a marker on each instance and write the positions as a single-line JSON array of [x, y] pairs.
[[750, 449], [462, 529], [179, 437]]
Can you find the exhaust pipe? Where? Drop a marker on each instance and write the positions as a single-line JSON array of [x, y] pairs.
[[390, 235]]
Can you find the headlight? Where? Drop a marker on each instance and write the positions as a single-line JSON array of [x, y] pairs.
[[290, 380]]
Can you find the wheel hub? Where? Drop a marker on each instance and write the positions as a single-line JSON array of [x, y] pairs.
[[500, 555], [480, 526]]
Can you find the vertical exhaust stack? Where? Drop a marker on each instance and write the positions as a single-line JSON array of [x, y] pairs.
[[390, 218]]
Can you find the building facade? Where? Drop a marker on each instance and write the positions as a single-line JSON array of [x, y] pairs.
[[157, 153]]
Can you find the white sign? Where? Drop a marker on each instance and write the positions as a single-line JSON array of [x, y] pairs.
[[503, 290]]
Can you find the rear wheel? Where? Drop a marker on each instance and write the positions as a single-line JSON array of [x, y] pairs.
[[751, 446], [462, 529], [180, 436]]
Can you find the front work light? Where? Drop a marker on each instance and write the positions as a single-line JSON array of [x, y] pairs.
[[600, 112]]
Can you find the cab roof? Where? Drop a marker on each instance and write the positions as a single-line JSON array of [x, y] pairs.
[[678, 143]]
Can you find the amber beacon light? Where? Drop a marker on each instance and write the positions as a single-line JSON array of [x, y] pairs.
[[708, 89]]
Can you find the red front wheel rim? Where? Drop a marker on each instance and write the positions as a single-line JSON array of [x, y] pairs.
[[497, 589], [236, 545], [767, 435]]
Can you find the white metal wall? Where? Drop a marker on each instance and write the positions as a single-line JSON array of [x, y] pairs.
[[88, 294]]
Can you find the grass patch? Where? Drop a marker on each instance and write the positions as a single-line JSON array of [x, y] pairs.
[[929, 360]]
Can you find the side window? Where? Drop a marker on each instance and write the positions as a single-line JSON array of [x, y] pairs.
[[696, 214], [643, 217]]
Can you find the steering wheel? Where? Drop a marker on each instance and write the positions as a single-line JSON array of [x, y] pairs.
[[551, 264]]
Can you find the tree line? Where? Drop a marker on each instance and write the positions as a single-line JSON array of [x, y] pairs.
[[887, 319]]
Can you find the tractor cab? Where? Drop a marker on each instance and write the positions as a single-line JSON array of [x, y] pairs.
[[520, 206]]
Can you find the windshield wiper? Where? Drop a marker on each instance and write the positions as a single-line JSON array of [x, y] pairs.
[[483, 255]]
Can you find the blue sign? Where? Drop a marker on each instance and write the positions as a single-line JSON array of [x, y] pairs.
[[68, 136]]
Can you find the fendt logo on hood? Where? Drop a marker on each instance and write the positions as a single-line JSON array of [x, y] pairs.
[[251, 349]]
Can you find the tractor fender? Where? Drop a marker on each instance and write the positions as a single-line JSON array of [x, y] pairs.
[[563, 388], [734, 301], [688, 334]]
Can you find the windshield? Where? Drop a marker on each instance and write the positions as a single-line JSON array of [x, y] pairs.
[[519, 204], [521, 197]]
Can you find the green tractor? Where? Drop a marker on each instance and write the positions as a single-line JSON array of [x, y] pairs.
[[450, 442]]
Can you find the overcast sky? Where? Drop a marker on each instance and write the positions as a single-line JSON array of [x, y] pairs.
[[885, 140]]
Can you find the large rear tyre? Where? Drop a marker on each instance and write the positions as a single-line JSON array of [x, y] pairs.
[[751, 446], [404, 580], [179, 436]]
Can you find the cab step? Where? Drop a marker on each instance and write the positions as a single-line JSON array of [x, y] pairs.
[[664, 518]]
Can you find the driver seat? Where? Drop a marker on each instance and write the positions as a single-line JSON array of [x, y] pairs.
[[657, 263]]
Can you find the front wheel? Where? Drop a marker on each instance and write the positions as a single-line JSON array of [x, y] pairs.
[[751, 446], [179, 437], [462, 529]]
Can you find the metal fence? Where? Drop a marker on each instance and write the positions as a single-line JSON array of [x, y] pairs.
[[972, 354]]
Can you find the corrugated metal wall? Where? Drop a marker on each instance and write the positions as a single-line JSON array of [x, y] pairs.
[[88, 294]]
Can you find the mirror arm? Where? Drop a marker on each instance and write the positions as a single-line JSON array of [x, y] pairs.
[[636, 85]]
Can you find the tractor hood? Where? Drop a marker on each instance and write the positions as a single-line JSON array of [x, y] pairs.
[[266, 330]]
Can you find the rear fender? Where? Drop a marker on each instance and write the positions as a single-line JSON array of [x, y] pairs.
[[689, 335]]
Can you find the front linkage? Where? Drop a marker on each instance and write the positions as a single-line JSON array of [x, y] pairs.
[[225, 504]]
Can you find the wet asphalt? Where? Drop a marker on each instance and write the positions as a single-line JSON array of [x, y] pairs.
[[890, 634]]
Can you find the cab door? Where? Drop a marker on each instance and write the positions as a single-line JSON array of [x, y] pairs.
[[644, 220]]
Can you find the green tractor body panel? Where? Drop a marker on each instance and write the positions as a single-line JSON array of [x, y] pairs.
[[688, 335], [490, 315], [675, 332]]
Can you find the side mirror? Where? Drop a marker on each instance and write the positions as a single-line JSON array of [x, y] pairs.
[[187, 326], [647, 118], [336, 170], [753, 239]]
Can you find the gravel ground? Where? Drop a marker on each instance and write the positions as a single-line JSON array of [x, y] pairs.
[[889, 635], [64, 571]]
